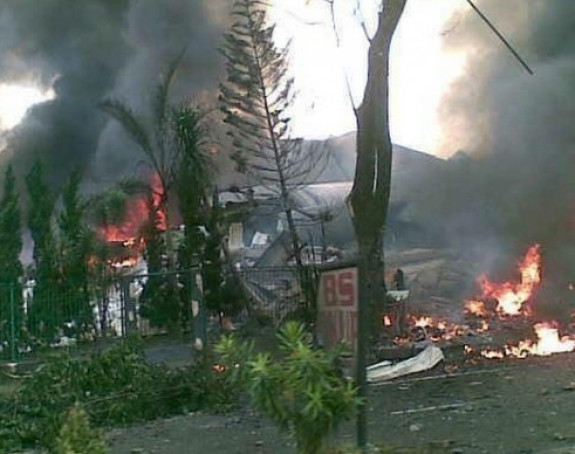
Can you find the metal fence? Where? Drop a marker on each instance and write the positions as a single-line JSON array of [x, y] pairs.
[[36, 317]]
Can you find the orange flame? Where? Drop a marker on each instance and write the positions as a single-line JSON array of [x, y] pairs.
[[137, 213], [438, 329], [129, 262], [511, 297], [476, 308], [492, 354], [548, 343], [423, 322], [158, 201]]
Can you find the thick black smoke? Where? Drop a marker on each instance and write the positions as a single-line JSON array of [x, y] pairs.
[[89, 50], [158, 31], [519, 127], [75, 46]]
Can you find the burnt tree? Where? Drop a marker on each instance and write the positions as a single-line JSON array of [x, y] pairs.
[[369, 197]]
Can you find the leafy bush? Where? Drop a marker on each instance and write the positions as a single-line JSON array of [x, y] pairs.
[[302, 391], [115, 387], [77, 437]]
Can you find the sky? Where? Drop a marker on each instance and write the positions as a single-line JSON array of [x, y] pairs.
[[420, 70], [16, 99]]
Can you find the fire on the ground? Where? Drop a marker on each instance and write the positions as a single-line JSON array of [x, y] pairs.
[[504, 303]]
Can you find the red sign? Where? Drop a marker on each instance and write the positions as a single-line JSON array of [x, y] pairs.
[[337, 306]]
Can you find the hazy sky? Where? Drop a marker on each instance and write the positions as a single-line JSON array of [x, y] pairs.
[[420, 71], [15, 100]]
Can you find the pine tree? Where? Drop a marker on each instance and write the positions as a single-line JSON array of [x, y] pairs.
[[41, 319], [11, 309], [40, 209], [255, 100], [75, 250]]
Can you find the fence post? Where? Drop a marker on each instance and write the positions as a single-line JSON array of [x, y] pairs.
[[125, 286], [13, 349], [198, 310]]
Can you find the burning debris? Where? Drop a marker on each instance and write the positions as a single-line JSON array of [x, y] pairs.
[[510, 297], [138, 211], [505, 311], [548, 342], [513, 304], [125, 238]]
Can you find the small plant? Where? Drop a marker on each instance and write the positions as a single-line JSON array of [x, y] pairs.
[[302, 390], [76, 436]]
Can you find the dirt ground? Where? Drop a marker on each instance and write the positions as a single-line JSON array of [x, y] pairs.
[[513, 406]]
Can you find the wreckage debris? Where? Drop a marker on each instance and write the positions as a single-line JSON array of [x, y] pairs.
[[500, 322]]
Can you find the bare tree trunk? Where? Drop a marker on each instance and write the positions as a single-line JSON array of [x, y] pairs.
[[369, 198]]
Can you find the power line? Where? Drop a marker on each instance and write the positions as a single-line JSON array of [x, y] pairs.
[[501, 37]]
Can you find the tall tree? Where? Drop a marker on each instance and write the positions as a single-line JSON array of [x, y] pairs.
[[194, 180], [255, 99], [105, 209], [75, 250], [370, 194], [46, 271], [11, 310], [201, 246], [159, 303], [369, 198], [155, 138], [40, 210]]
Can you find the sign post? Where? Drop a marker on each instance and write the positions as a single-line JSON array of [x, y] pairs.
[[337, 305]]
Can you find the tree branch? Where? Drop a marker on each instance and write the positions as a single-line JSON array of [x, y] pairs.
[[338, 44]]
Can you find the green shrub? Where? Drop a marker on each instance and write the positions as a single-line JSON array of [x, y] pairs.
[[77, 437], [116, 387], [302, 390]]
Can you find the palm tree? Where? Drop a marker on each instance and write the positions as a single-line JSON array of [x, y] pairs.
[[171, 141], [156, 141]]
